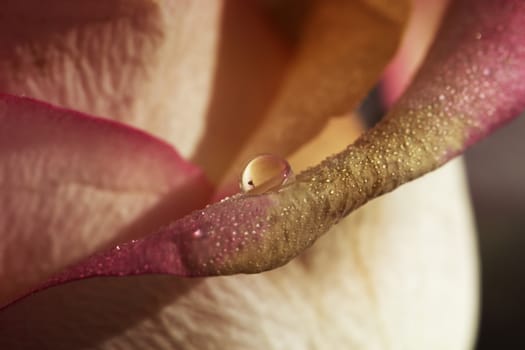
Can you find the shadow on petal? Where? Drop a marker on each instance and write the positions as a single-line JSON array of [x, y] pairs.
[[84, 314]]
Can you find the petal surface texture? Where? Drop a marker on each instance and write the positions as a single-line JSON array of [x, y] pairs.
[[117, 59], [72, 184]]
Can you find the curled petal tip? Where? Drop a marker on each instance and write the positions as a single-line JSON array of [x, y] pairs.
[[470, 83]]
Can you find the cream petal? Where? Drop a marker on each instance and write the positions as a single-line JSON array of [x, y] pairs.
[[341, 53]]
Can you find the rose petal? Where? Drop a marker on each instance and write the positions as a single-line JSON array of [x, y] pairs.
[[340, 55], [332, 138], [72, 184], [419, 34]]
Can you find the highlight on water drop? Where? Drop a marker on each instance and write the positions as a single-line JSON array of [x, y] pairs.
[[264, 173]]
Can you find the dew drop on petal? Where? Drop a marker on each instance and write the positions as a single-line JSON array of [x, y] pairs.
[[265, 173], [198, 233]]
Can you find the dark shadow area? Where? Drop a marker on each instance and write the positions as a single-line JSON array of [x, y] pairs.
[[371, 110], [496, 172], [57, 317], [195, 194]]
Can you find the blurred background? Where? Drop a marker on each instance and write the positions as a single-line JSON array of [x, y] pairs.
[[496, 172]]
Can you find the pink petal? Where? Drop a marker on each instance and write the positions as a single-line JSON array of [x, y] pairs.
[[472, 79], [72, 184], [206, 242], [419, 34]]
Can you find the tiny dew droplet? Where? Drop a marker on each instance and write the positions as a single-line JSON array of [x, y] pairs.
[[197, 233], [264, 173]]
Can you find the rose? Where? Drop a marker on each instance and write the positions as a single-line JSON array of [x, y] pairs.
[[237, 301]]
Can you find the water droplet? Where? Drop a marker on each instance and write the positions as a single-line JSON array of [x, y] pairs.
[[198, 233], [265, 173]]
